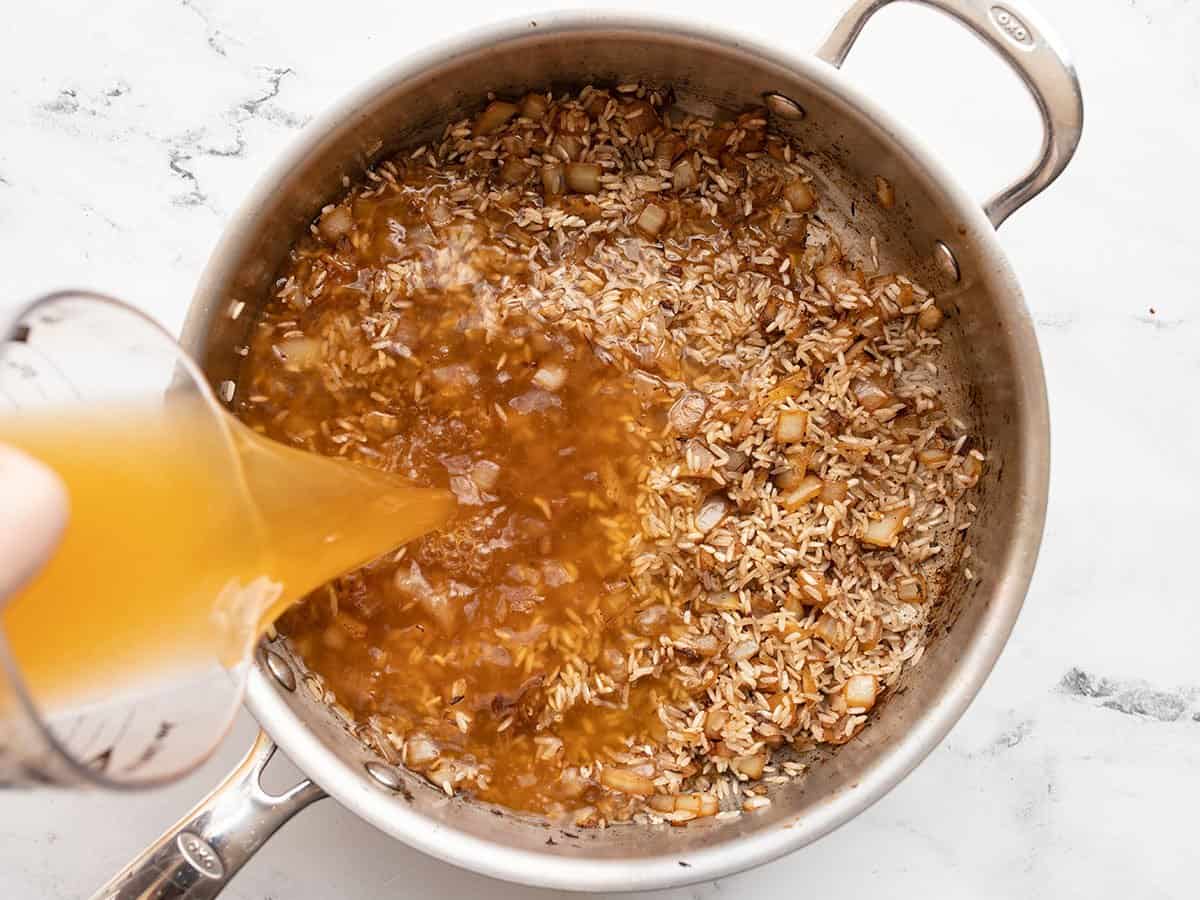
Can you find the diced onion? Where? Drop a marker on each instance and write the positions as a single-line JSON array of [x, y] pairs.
[[683, 176], [556, 574], [831, 631], [435, 603], [789, 479], [335, 223], [494, 117], [301, 352], [743, 650], [711, 513], [583, 178], [792, 426], [702, 803], [834, 491], [750, 766], [534, 400], [791, 385], [455, 378], [707, 645], [485, 474], [640, 117], [586, 816], [515, 171], [667, 150], [663, 803], [687, 412], [800, 196], [872, 632], [714, 722], [650, 620], [550, 377], [808, 488], [808, 681], [725, 601], [911, 589], [799, 457], [860, 691], [930, 318], [465, 490], [933, 457], [420, 751], [534, 106], [626, 781], [870, 394], [884, 531], [652, 219], [736, 461]]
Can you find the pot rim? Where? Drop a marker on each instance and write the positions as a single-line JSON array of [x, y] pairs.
[[354, 790]]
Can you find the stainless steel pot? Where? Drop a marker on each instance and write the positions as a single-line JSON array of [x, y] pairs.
[[935, 229]]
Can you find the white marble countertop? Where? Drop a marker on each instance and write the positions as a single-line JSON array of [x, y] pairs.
[[129, 132]]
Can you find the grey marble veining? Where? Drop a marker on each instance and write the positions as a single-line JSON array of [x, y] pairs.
[[1134, 697], [131, 132]]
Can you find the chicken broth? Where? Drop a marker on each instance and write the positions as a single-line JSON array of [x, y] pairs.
[[704, 476], [542, 443]]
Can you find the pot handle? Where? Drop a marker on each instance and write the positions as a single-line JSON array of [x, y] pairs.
[[1033, 52], [197, 856]]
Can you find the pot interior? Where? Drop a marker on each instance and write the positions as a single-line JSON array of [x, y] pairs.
[[993, 380]]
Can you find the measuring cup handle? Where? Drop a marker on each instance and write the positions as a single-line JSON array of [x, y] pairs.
[[1032, 51], [197, 856]]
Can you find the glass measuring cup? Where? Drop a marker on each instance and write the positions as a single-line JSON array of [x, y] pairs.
[[122, 661]]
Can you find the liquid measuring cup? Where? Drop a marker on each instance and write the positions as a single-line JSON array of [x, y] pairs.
[[183, 534]]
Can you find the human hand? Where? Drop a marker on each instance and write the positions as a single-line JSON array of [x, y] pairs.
[[34, 508]]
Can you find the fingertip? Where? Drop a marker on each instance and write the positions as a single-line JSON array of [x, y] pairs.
[[34, 508]]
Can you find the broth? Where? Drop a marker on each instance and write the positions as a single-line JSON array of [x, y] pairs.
[[702, 466]]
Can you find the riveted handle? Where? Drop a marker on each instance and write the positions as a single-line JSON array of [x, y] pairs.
[[197, 856], [1032, 51]]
